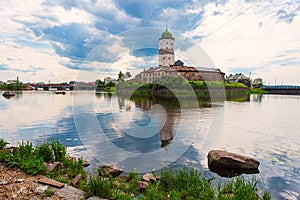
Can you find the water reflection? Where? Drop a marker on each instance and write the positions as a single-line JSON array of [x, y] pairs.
[[263, 126], [166, 126]]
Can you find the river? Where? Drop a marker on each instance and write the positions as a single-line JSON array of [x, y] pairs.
[[152, 133]]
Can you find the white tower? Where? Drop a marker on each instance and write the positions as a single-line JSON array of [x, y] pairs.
[[166, 49]]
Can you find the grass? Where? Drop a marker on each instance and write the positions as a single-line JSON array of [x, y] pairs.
[[31, 160], [49, 192], [3, 143], [171, 185], [257, 91]]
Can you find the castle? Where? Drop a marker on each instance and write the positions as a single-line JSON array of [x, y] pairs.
[[168, 66]]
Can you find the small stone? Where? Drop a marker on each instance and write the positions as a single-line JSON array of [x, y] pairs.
[[20, 180], [76, 180], [109, 170], [53, 166], [3, 182], [149, 177], [116, 183], [85, 163], [140, 185]]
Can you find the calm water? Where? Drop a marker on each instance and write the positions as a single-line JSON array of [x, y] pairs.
[[149, 134]]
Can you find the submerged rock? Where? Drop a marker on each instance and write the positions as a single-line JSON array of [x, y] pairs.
[[227, 172], [218, 160]]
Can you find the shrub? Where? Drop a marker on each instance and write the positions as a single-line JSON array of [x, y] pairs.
[[25, 149], [44, 151], [33, 165], [59, 150]]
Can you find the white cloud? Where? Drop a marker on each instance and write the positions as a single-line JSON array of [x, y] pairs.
[[250, 40], [32, 65]]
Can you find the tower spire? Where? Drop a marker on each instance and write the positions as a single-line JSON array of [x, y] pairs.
[[166, 24]]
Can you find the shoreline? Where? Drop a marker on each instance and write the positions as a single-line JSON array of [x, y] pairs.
[[108, 182]]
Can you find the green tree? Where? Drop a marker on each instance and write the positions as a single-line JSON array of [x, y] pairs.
[[127, 75], [258, 82], [121, 76]]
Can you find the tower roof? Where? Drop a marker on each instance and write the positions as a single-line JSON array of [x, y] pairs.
[[166, 35]]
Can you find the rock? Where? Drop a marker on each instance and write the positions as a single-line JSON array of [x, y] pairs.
[[76, 180], [85, 163], [224, 159], [20, 180], [53, 166], [141, 185], [48, 181], [226, 172], [109, 170], [69, 192], [149, 177], [3, 182]]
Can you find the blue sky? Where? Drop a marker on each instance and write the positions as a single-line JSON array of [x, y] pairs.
[[62, 40]]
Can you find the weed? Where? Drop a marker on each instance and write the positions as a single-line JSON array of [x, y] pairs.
[[3, 143], [99, 186], [25, 149], [266, 196], [48, 192], [59, 150], [44, 151]]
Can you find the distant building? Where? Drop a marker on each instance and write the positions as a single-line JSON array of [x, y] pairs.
[[167, 66], [239, 77], [107, 80], [166, 49]]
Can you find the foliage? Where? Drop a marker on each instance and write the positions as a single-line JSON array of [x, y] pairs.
[[234, 85], [23, 158], [59, 150], [238, 188], [109, 89], [3, 143], [257, 91], [49, 192], [122, 77], [172, 184], [12, 85], [257, 83], [31, 160], [44, 151], [186, 184]]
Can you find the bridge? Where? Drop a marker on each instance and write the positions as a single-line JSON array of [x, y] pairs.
[[282, 89], [48, 87]]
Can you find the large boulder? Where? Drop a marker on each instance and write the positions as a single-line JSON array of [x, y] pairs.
[[228, 160]]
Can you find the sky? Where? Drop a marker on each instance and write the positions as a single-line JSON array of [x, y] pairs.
[[61, 40]]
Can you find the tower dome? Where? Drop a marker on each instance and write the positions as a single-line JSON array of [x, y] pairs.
[[166, 35], [166, 49]]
